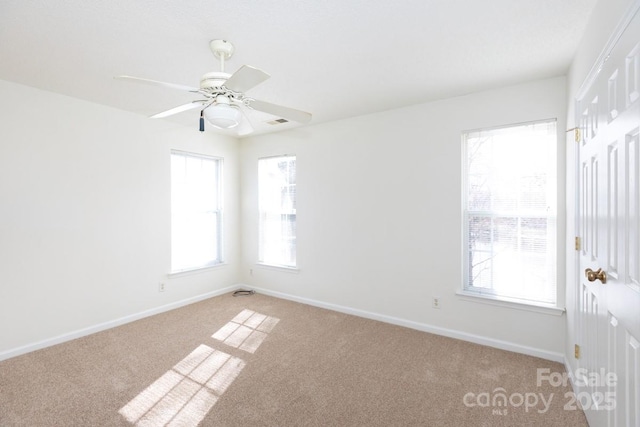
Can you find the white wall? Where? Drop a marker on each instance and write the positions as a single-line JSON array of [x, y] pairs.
[[379, 213], [85, 215], [604, 19]]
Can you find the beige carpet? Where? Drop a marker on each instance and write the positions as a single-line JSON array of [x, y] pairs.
[[261, 361]]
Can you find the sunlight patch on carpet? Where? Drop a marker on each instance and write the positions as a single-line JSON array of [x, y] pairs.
[[247, 330], [186, 393]]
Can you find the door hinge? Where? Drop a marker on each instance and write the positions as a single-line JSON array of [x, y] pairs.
[[578, 247], [576, 351], [576, 132]]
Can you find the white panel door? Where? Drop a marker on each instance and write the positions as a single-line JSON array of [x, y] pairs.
[[608, 314]]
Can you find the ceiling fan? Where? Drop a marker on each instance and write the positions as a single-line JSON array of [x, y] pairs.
[[223, 101]]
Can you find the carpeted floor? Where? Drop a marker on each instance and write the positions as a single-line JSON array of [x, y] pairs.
[[262, 361]]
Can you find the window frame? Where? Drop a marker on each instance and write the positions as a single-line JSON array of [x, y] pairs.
[[219, 214], [492, 297]]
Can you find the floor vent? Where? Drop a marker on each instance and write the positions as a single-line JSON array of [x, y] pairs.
[[243, 293]]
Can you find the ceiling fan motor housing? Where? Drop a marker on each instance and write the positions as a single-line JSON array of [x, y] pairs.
[[213, 80]]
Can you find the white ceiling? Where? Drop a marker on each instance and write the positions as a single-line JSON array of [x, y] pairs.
[[333, 58]]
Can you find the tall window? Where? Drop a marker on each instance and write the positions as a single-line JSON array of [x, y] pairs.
[[510, 212], [196, 213], [277, 211]]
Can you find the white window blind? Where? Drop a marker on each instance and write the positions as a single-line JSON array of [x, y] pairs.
[[196, 213], [277, 211], [510, 212]]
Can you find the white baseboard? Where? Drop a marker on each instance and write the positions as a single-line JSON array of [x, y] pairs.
[[110, 324], [451, 333]]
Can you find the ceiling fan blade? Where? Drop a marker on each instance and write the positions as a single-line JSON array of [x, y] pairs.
[[280, 111], [244, 127], [179, 109], [157, 83], [245, 78]]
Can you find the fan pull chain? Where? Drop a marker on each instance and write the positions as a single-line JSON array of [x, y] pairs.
[[201, 121]]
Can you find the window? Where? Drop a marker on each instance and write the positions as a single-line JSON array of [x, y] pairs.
[[509, 207], [277, 211], [196, 214]]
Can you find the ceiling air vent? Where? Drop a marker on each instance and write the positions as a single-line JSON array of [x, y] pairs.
[[277, 121]]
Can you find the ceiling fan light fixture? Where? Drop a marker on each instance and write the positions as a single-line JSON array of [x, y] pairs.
[[223, 116]]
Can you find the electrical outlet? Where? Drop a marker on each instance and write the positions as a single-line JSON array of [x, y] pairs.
[[436, 302], [160, 287]]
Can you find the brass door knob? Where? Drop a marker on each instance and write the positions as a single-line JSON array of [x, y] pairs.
[[599, 274]]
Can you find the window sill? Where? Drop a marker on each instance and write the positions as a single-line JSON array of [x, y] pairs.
[[278, 268], [510, 303], [181, 273]]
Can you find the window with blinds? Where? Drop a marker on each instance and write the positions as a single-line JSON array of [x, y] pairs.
[[509, 202], [277, 211], [196, 211]]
